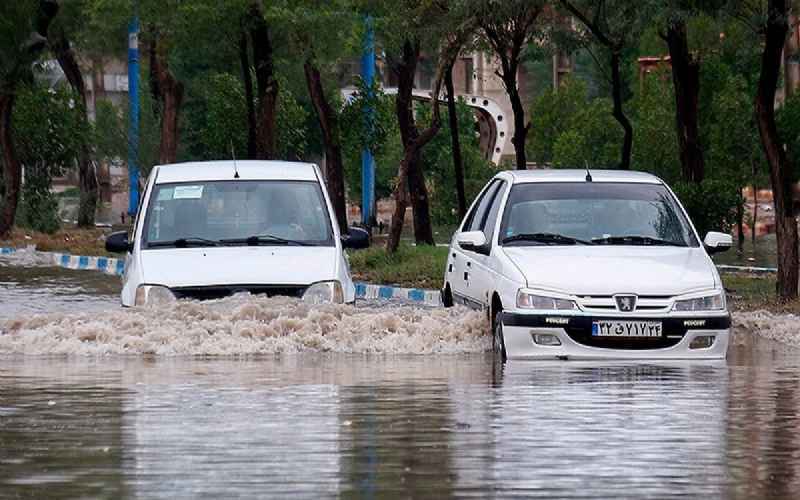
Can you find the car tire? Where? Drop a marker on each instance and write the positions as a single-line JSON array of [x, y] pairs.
[[447, 297], [498, 341]]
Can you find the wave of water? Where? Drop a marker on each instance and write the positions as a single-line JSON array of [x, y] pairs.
[[783, 328], [248, 326]]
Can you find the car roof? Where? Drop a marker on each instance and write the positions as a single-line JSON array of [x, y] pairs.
[[224, 170], [578, 175]]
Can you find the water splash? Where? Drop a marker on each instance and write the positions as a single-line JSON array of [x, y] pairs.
[[248, 326], [783, 328]]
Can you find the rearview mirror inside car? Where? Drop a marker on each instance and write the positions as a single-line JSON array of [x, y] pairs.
[[717, 242]]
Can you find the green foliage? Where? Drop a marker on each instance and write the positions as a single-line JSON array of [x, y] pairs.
[[437, 158], [735, 143], [378, 130], [569, 130], [419, 266], [48, 132], [711, 204], [655, 144], [291, 122]]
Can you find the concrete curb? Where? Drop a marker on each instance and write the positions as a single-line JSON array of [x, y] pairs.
[[108, 265], [724, 268], [369, 291], [7, 250]]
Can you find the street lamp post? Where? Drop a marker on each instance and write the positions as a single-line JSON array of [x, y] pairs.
[[133, 106]]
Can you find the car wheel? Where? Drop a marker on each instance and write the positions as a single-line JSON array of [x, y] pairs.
[[498, 341], [447, 297]]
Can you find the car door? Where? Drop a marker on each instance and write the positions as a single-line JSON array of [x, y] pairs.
[[463, 261], [481, 276]]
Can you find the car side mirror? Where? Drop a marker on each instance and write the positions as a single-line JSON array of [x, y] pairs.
[[356, 238], [118, 243], [717, 242], [472, 240]]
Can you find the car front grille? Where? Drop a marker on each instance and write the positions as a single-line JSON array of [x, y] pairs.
[[222, 291], [605, 303]]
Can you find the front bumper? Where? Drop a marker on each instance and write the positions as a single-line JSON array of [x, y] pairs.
[[577, 341]]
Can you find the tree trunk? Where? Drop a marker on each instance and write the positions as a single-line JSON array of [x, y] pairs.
[[266, 83], [418, 191], [686, 80], [329, 124], [755, 205], [170, 96], [520, 128], [458, 163], [791, 53], [12, 170], [740, 223], [619, 113], [87, 175], [780, 169], [247, 79]]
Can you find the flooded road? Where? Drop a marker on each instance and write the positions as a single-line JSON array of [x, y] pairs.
[[366, 419]]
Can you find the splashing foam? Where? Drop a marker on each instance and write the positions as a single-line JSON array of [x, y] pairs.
[[784, 328], [248, 326]]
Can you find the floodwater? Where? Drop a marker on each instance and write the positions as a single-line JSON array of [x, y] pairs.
[[422, 413]]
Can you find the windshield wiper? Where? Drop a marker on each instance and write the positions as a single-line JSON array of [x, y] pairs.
[[636, 240], [548, 238], [184, 242], [271, 239]]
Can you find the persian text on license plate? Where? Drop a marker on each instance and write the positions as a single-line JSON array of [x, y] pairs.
[[626, 328]]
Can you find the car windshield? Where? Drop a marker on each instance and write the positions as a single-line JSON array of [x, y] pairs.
[[237, 212], [596, 213]]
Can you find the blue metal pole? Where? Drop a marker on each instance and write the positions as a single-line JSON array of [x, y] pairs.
[[367, 160], [133, 104]]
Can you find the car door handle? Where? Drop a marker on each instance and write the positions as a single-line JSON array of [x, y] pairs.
[[466, 276]]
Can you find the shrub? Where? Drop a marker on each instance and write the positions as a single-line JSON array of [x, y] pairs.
[[711, 204]]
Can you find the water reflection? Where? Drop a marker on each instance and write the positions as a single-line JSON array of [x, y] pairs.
[[322, 426]]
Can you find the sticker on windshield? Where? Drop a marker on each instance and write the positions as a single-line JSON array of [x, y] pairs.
[[187, 193], [165, 194]]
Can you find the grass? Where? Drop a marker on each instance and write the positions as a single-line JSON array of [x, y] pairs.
[[69, 240], [752, 292], [412, 267]]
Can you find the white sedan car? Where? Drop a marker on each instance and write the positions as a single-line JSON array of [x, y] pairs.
[[207, 230], [578, 264]]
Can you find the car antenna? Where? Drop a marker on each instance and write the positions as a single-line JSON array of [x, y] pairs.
[[588, 174], [235, 168]]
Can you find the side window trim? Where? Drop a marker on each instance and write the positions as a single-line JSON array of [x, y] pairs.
[[497, 199], [480, 210]]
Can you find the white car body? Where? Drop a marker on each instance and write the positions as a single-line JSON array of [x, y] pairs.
[[216, 271], [597, 280]]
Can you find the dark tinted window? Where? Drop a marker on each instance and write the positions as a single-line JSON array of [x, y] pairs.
[[477, 216], [595, 210]]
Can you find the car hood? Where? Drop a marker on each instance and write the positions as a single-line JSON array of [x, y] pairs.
[[607, 270], [261, 265]]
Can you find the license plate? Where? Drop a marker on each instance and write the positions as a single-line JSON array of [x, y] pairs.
[[626, 328]]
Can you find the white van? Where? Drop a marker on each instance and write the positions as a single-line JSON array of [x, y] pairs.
[[207, 230], [577, 264]]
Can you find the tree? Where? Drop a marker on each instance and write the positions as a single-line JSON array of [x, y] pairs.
[[773, 26], [615, 25], [322, 32], [455, 143], [23, 37], [508, 27], [266, 98], [62, 48], [50, 133]]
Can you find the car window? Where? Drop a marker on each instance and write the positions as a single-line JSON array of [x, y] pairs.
[[230, 210], [595, 212], [491, 215], [477, 218]]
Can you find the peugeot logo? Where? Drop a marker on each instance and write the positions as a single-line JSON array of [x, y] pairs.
[[625, 303]]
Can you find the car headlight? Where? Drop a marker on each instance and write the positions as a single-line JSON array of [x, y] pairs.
[[527, 300], [324, 292], [149, 295], [715, 302]]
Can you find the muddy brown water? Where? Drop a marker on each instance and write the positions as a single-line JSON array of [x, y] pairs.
[[334, 425]]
